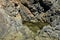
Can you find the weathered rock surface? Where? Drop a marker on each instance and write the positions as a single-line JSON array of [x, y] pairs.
[[29, 19]]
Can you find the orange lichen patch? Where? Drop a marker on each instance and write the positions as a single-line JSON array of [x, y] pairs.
[[20, 5], [26, 1], [16, 1], [26, 10], [20, 1], [18, 16], [2, 3], [42, 17]]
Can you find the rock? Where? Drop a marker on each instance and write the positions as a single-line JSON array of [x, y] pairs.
[[29, 20], [57, 27], [4, 22], [47, 29], [59, 35], [55, 35]]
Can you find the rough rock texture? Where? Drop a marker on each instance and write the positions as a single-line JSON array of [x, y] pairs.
[[29, 19]]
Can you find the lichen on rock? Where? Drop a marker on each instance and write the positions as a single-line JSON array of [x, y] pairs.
[[29, 19]]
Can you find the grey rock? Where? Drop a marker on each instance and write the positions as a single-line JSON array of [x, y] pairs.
[[13, 13], [57, 27], [47, 29], [54, 35], [59, 35]]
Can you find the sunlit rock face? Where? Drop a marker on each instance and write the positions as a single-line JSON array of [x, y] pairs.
[[29, 19]]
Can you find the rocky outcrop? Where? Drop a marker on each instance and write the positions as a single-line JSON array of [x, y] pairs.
[[29, 20]]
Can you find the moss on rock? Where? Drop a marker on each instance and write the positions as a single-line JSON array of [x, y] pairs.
[[34, 26]]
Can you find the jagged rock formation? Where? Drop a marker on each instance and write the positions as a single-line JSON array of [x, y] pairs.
[[29, 19]]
